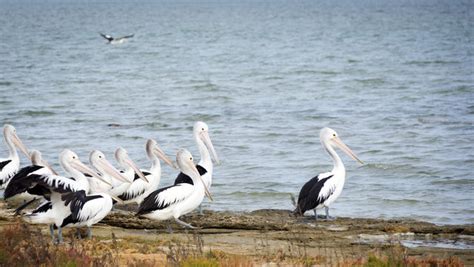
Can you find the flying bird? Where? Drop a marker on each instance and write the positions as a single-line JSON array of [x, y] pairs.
[[118, 40]]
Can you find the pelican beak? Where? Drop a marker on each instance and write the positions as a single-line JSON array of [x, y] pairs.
[[109, 169], [78, 165], [46, 164], [195, 173], [207, 141], [18, 143], [163, 157], [132, 164], [346, 149], [119, 201]]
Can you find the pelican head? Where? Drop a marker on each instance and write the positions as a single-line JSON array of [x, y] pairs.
[[201, 130], [152, 149], [98, 160], [37, 159], [330, 137], [69, 159], [185, 162], [121, 155], [9, 133]]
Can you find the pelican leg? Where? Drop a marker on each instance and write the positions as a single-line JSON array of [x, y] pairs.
[[185, 225], [315, 214], [200, 210], [60, 235], [169, 229], [78, 233], [51, 231], [89, 232], [327, 214]]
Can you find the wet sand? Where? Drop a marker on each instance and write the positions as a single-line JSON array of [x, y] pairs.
[[274, 235]]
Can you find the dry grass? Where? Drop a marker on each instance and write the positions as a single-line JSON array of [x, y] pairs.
[[397, 256], [24, 245]]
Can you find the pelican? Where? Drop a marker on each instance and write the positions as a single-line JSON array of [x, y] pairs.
[[176, 200], [325, 188], [89, 209], [113, 177], [139, 189], [9, 166], [129, 172], [53, 212], [118, 40], [205, 166]]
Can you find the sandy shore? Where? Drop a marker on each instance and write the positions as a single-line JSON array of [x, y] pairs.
[[274, 235]]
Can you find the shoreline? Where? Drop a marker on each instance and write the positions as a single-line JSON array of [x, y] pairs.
[[266, 234]]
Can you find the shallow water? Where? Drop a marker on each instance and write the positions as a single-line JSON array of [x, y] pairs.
[[394, 79]]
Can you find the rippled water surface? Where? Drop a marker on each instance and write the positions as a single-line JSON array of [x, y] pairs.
[[394, 78]]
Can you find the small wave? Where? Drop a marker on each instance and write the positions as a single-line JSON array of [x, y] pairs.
[[38, 113], [430, 62], [373, 81], [453, 181], [5, 83], [260, 194]]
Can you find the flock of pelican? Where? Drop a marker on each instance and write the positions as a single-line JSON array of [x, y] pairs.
[[85, 195]]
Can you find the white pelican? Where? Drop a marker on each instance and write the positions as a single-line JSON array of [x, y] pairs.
[[139, 189], [130, 169], [9, 166], [118, 40], [206, 149], [87, 209], [53, 212], [325, 188], [176, 200], [98, 160]]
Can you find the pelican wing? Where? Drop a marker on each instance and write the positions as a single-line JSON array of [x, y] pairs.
[[126, 36], [313, 193], [4, 163], [165, 197], [106, 36], [7, 170], [41, 181], [183, 178], [21, 181], [83, 207]]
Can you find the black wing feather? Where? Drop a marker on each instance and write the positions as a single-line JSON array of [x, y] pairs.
[[77, 200], [21, 180], [309, 195], [136, 177], [149, 203], [183, 178], [4, 163]]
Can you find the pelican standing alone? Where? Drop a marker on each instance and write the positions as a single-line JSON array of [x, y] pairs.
[[9, 166], [206, 149], [139, 189], [325, 188], [176, 200]]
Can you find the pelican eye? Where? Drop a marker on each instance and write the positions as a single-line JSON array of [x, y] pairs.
[[334, 135], [190, 158]]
